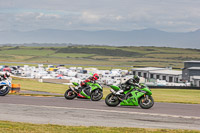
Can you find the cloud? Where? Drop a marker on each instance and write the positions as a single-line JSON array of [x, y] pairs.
[[166, 15], [90, 17], [41, 16]]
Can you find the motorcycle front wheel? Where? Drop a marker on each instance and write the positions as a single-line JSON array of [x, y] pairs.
[[69, 94], [4, 90], [112, 100], [96, 95], [146, 102]]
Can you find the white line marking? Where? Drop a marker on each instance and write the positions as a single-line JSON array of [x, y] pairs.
[[110, 111]]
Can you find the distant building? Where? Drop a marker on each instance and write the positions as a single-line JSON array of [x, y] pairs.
[[158, 73], [195, 80], [145, 72], [191, 69], [167, 75]]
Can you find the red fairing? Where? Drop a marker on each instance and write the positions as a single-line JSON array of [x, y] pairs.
[[84, 82], [87, 80], [81, 96]]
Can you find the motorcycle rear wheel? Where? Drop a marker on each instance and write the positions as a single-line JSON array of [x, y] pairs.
[[69, 94], [112, 100], [4, 91]]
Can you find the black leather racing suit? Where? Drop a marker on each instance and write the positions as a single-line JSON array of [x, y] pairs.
[[127, 85]]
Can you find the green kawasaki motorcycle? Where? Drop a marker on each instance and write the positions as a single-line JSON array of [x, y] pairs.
[[132, 97], [94, 92]]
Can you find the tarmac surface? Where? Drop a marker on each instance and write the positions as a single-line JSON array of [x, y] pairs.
[[82, 112]]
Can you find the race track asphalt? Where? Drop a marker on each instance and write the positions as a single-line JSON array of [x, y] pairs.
[[82, 112]]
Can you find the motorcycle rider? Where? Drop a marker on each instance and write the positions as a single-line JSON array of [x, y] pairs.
[[4, 75], [127, 85], [84, 84]]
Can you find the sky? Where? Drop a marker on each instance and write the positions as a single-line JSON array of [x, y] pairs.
[[91, 15]]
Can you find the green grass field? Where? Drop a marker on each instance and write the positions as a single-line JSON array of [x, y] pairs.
[[101, 55], [11, 127], [159, 95]]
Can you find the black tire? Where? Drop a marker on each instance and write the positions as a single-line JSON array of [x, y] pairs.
[[112, 100], [146, 104], [69, 94], [96, 95], [4, 91]]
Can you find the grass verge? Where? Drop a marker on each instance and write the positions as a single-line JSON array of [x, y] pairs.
[[177, 95], [10, 127]]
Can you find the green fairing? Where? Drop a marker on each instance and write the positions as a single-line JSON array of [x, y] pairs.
[[95, 92], [148, 91], [83, 94], [116, 88], [129, 90], [93, 86], [133, 100], [133, 97], [96, 86], [74, 83]]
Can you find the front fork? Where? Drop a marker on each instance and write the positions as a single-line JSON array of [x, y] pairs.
[[146, 98]]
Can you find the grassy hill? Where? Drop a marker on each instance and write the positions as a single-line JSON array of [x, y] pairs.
[[101, 55]]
